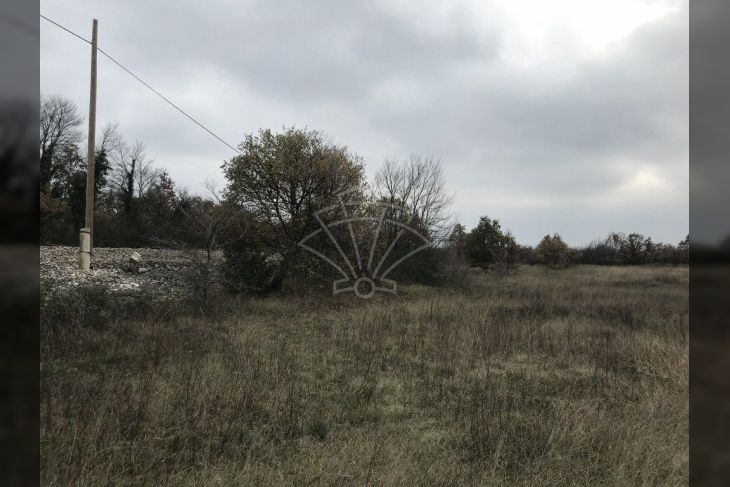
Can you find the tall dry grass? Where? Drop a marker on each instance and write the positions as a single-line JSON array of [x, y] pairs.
[[575, 377]]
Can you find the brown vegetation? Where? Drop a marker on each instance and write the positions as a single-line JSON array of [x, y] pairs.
[[572, 377]]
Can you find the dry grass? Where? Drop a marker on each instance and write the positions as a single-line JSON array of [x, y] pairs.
[[575, 377]]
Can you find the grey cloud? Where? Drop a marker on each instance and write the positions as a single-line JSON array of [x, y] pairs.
[[377, 79], [563, 138]]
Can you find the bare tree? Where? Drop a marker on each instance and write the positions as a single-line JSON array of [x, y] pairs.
[[147, 174], [60, 124], [110, 138], [133, 174], [419, 186], [123, 173]]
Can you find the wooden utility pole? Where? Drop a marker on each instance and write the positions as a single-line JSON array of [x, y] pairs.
[[86, 237]]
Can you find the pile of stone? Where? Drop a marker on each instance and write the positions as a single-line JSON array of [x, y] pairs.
[[119, 269]]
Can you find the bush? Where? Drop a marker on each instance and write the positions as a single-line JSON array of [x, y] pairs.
[[55, 221], [553, 251], [488, 247], [249, 265], [281, 180], [425, 267], [94, 306]]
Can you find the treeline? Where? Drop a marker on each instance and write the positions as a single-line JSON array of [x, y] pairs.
[[489, 247], [634, 248], [136, 204], [276, 190]]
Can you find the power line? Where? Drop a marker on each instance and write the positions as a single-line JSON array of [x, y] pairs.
[[144, 83], [64, 28], [167, 100]]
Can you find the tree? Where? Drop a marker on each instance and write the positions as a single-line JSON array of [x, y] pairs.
[[685, 243], [633, 248], [110, 140], [164, 190], [457, 240], [60, 124], [650, 250], [683, 249], [67, 163], [132, 174], [208, 225], [488, 247], [614, 248], [553, 251], [281, 180], [419, 186], [75, 194], [155, 209], [63, 168]]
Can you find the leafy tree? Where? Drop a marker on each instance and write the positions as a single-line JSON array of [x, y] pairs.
[[683, 250], [553, 251], [633, 248], [488, 247], [156, 209], [67, 163], [281, 180], [54, 220], [650, 250], [457, 240], [69, 183], [684, 243]]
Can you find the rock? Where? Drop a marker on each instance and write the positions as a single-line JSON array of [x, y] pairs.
[[133, 265]]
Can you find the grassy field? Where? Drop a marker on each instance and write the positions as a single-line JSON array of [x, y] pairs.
[[574, 377]]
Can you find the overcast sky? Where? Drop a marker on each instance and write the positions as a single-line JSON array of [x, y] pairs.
[[566, 116]]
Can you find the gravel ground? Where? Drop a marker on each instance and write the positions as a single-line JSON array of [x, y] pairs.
[[163, 270]]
